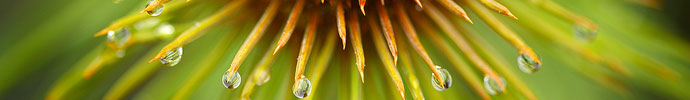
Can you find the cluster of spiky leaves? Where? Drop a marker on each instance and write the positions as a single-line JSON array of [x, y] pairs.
[[382, 31]]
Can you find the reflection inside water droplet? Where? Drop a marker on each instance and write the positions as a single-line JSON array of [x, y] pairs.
[[584, 33], [492, 86], [302, 88], [445, 76], [172, 57], [231, 81], [527, 64], [118, 37], [262, 77], [155, 11]]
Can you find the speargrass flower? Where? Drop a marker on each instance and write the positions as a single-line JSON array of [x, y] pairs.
[[374, 49]]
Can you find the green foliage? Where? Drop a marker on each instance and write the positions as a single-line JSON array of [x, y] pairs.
[[46, 46]]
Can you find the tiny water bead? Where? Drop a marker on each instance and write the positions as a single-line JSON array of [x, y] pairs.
[[302, 88], [527, 64], [155, 11], [583, 33], [165, 29], [445, 76], [262, 77], [118, 37], [232, 82], [120, 53], [172, 57], [492, 86], [147, 23]]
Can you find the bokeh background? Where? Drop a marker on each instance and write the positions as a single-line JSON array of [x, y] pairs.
[[43, 41]]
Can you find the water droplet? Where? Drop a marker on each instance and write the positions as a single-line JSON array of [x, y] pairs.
[[262, 77], [172, 57], [233, 81], [302, 88], [445, 76], [155, 11], [583, 33], [527, 64], [165, 29], [491, 85], [120, 53], [118, 37], [147, 23], [197, 23]]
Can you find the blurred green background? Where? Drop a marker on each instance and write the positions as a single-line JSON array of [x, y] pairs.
[[43, 42]]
